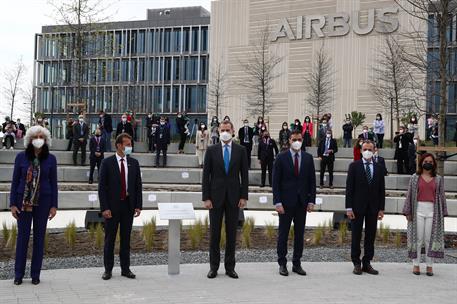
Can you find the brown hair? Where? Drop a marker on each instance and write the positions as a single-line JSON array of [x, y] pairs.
[[120, 138], [369, 142], [227, 122], [420, 170]]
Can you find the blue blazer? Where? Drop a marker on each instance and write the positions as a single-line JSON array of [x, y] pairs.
[[48, 180], [289, 189]]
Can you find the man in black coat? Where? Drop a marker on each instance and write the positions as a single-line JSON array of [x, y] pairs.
[[151, 126], [106, 125], [97, 148], [326, 153], [224, 191], [365, 201], [80, 136], [124, 127], [294, 193], [266, 154], [245, 135], [366, 135], [402, 141], [182, 123], [380, 160], [347, 133], [120, 195], [162, 140]]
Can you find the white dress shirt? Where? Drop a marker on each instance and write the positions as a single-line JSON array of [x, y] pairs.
[[125, 168]]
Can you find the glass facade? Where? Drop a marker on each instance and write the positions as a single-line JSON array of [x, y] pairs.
[[434, 85], [157, 69]]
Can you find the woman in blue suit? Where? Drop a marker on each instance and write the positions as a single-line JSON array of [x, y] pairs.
[[33, 198]]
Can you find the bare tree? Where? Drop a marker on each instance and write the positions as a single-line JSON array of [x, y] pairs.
[[216, 88], [29, 100], [13, 80], [442, 11], [260, 71], [80, 19], [319, 83]]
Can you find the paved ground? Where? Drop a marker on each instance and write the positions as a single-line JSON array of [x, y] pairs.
[[258, 283]]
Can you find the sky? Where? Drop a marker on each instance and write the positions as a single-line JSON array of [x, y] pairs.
[[20, 20]]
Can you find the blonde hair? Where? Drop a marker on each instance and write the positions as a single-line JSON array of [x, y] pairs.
[[32, 131]]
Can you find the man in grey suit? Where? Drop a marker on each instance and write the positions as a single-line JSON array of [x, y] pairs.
[[225, 191]]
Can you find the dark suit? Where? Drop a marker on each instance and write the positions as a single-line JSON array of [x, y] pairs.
[[294, 193], [266, 154], [382, 162], [162, 140], [124, 128], [80, 132], [328, 159], [96, 146], [107, 127], [109, 193], [366, 136], [366, 200], [225, 191], [47, 200], [246, 141], [402, 142]]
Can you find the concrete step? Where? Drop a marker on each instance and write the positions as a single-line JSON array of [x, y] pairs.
[[191, 161], [194, 176], [257, 201]]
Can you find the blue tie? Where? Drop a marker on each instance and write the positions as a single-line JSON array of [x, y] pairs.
[[226, 159]]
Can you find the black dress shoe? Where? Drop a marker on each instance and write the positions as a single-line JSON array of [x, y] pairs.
[[232, 274], [35, 281], [298, 270], [283, 270], [212, 274], [91, 182], [107, 275], [128, 274], [18, 281], [357, 270], [369, 269]]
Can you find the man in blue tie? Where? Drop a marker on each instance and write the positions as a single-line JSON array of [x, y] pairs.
[[224, 191], [326, 153]]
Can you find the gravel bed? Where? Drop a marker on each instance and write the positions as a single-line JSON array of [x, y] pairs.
[[320, 254]]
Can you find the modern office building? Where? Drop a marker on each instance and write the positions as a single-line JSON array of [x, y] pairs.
[[351, 31], [155, 65]]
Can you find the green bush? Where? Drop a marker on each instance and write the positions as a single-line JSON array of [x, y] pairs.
[[342, 232], [270, 230], [398, 239], [223, 235], [5, 233], [149, 232], [247, 229], [318, 233], [99, 235], [70, 234], [196, 233], [12, 237]]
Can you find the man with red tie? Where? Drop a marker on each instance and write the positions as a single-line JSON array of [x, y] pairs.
[[294, 194], [120, 196]]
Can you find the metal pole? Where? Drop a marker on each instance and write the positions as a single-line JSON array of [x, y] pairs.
[[391, 118], [174, 239], [52, 108]]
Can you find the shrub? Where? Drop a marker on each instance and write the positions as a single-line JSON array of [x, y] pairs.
[[5, 233], [149, 231], [270, 230], [99, 235], [342, 232], [318, 233], [223, 235], [92, 228], [12, 237], [70, 234], [247, 229], [196, 233], [398, 239], [292, 232]]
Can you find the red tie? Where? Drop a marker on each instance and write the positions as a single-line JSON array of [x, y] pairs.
[[123, 188], [296, 164]]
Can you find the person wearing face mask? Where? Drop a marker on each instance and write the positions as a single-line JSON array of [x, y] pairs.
[[402, 141], [307, 131], [225, 184], [357, 151], [80, 136], [366, 134], [365, 201], [380, 160], [245, 135], [214, 130], [412, 155], [124, 126], [347, 133], [182, 123], [378, 126], [162, 140], [106, 125], [425, 208], [296, 125], [97, 148], [33, 198], [20, 129], [151, 126], [413, 125], [259, 126], [120, 194], [266, 154], [294, 194], [39, 121], [69, 133], [284, 135], [326, 153], [321, 135], [201, 143]]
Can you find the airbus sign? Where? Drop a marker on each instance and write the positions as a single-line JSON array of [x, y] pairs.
[[381, 20]]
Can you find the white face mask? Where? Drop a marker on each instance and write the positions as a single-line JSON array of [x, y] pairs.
[[367, 154], [296, 145], [329, 135], [365, 131], [415, 141], [226, 136], [38, 142], [81, 120], [128, 150], [246, 124], [124, 119]]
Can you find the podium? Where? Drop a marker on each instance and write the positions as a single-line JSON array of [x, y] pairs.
[[175, 213]]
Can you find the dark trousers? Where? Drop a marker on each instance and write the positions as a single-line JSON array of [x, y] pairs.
[[296, 214], [402, 162], [162, 149], [182, 140], [70, 143], [122, 220], [10, 139], [347, 142], [266, 164], [231, 212], [76, 146], [94, 161], [307, 139], [380, 140], [151, 143], [328, 163], [248, 152], [39, 217], [371, 222]]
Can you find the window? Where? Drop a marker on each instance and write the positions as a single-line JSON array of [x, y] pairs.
[[118, 43], [204, 40], [158, 99], [175, 99], [116, 70], [167, 99], [151, 41], [167, 41], [133, 70], [177, 40], [141, 69], [195, 33], [133, 42], [176, 68], [167, 69], [125, 70], [141, 42], [203, 68], [186, 39]]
